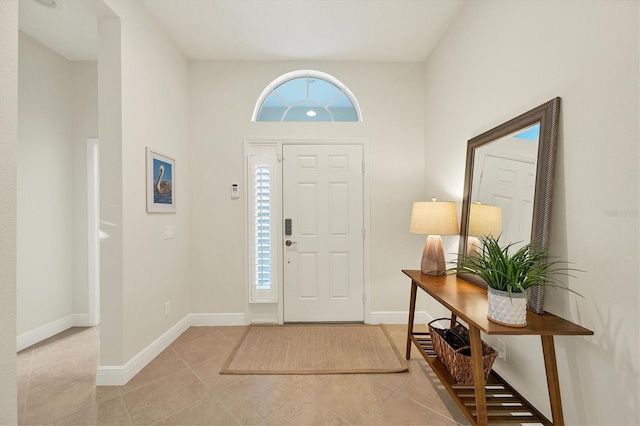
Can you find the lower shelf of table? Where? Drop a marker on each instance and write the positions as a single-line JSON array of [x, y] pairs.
[[504, 404]]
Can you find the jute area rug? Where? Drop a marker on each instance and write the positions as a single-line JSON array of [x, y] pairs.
[[315, 349]]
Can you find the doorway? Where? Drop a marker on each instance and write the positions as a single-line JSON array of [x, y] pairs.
[[319, 257], [93, 229]]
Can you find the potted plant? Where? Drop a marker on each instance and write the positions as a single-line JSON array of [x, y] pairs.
[[508, 276]]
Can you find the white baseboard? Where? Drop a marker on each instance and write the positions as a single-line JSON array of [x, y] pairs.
[[398, 317], [209, 320], [82, 320], [264, 321], [41, 333], [119, 375]]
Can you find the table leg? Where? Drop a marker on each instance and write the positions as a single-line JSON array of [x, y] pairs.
[[551, 366], [478, 375], [412, 313], [454, 320]]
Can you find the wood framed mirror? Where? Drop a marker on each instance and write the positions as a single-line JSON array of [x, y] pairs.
[[508, 186]]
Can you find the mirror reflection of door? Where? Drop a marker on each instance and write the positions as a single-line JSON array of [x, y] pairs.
[[505, 176], [510, 185], [323, 261]]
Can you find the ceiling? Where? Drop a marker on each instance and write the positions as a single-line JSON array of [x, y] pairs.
[[71, 30], [333, 30]]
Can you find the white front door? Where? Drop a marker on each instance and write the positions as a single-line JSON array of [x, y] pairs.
[[324, 254]]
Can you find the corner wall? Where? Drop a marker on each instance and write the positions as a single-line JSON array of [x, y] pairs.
[[147, 270], [501, 58], [8, 208]]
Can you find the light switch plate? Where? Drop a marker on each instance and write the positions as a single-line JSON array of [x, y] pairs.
[[169, 232]]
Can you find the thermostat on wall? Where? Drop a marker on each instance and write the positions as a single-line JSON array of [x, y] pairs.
[[235, 191]]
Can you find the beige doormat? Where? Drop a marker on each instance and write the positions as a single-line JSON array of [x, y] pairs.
[[315, 349]]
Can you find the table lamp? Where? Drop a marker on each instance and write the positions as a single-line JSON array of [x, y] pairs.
[[434, 218], [484, 220]]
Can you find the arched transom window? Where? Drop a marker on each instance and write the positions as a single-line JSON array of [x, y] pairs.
[[306, 95]]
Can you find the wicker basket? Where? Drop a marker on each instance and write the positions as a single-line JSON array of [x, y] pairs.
[[457, 363]]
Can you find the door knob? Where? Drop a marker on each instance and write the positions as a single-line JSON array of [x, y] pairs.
[[289, 243]]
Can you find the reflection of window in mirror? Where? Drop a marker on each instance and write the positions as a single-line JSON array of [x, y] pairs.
[[504, 176]]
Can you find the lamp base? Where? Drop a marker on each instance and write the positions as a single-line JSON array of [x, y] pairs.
[[433, 257], [474, 246]]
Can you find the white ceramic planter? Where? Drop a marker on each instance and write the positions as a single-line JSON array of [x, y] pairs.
[[507, 309]]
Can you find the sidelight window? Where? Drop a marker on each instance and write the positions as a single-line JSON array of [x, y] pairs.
[[261, 227]]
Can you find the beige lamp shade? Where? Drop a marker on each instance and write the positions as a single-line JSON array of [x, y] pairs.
[[485, 220], [434, 218]]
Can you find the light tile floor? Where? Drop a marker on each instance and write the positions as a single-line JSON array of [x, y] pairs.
[[56, 385]]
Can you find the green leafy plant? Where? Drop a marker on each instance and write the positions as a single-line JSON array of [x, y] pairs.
[[514, 273]]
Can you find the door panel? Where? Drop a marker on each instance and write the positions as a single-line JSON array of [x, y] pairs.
[[510, 185], [323, 266]]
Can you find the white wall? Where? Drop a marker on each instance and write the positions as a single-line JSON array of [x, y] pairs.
[[57, 112], [222, 99], [154, 113], [8, 208], [501, 58], [45, 197]]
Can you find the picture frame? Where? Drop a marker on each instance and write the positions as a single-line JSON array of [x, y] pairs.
[[161, 182]]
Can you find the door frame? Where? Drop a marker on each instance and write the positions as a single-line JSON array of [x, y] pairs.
[[273, 312], [93, 229]]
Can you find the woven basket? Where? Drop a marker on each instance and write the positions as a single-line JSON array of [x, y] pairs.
[[457, 363]]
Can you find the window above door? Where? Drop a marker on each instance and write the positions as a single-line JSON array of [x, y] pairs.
[[308, 96]]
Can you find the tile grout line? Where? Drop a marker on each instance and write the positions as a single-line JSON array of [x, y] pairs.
[[409, 398], [387, 400], [394, 391], [123, 393], [418, 402], [126, 409], [206, 387], [124, 403], [427, 407], [318, 401], [226, 337], [66, 414], [187, 366], [194, 373], [26, 396], [225, 406], [157, 380]]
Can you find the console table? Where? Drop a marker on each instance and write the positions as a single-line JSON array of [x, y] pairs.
[[496, 401]]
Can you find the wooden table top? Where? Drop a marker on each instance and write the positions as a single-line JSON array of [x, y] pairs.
[[469, 303]]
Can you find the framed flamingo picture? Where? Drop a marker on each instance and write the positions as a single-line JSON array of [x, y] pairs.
[[161, 183]]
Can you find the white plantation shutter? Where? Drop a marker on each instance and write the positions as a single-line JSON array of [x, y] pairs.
[[262, 230], [262, 225]]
